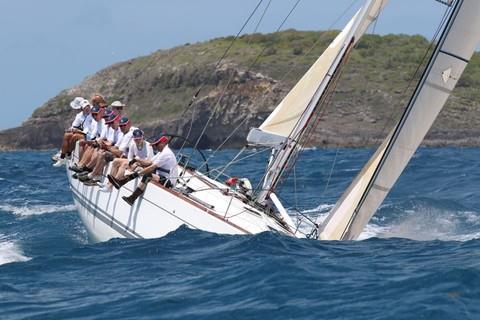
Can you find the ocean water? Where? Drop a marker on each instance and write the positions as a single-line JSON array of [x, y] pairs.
[[419, 258]]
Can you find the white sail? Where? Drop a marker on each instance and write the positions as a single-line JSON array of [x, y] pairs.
[[366, 193], [306, 93], [282, 129]]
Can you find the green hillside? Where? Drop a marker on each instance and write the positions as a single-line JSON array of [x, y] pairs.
[[374, 87]]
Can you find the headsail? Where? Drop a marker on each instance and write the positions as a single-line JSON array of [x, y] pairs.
[[282, 129], [305, 94], [450, 57]]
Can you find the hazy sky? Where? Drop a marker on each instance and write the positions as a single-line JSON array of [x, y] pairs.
[[50, 45]]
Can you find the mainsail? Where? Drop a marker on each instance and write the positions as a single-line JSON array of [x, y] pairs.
[[363, 197], [282, 129]]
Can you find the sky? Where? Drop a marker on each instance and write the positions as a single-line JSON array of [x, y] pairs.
[[50, 45]]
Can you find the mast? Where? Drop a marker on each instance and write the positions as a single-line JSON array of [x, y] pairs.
[[284, 127], [368, 190]]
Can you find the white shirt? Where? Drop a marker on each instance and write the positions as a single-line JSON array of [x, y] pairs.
[[124, 142], [82, 122], [105, 130], [145, 153], [114, 135], [96, 129], [167, 162]]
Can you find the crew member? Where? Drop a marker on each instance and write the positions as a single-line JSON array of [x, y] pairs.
[[163, 169], [140, 154], [76, 132]]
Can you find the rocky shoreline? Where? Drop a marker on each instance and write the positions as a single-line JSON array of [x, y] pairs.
[[367, 102]]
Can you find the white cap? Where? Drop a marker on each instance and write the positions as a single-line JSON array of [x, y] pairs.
[[75, 104], [84, 103], [117, 104]]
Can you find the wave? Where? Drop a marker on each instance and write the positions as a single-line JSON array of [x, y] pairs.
[[421, 223], [10, 252], [31, 210]]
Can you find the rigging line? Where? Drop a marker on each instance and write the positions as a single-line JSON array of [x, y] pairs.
[[189, 129], [309, 51], [221, 169], [248, 70], [331, 171], [263, 15], [217, 104], [223, 143], [222, 57], [234, 160], [233, 74], [378, 18], [295, 185], [319, 111], [298, 211], [406, 113], [278, 29], [395, 114]]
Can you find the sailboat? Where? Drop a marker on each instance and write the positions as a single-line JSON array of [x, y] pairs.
[[208, 204]]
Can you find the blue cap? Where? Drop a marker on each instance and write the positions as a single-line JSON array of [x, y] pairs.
[[112, 118], [108, 113], [95, 109], [124, 121], [137, 134]]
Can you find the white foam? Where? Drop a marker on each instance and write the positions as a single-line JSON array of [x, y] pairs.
[[426, 224], [420, 223], [321, 208], [10, 252], [30, 210], [1, 179]]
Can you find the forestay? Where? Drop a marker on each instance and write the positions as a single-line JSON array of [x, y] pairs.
[[300, 101], [285, 126], [450, 57]]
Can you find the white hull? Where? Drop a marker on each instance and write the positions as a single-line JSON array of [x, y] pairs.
[[161, 210]]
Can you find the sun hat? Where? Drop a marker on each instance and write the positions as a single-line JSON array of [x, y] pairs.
[[117, 104], [85, 103], [75, 104]]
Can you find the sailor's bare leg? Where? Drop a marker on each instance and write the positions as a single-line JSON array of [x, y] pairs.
[[116, 163], [101, 162], [73, 141], [66, 144], [123, 165], [87, 156], [93, 161]]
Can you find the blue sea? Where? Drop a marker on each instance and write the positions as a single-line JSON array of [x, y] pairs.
[[419, 258]]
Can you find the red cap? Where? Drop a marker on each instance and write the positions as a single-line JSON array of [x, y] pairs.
[[231, 181], [156, 140]]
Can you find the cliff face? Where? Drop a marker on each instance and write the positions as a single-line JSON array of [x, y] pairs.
[[368, 100]]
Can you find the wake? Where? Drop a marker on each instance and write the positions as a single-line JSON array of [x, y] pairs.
[[30, 210], [10, 251]]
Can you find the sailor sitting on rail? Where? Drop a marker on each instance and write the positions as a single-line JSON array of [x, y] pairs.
[[162, 168], [77, 131], [119, 150], [89, 157], [140, 154], [93, 132], [104, 152]]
